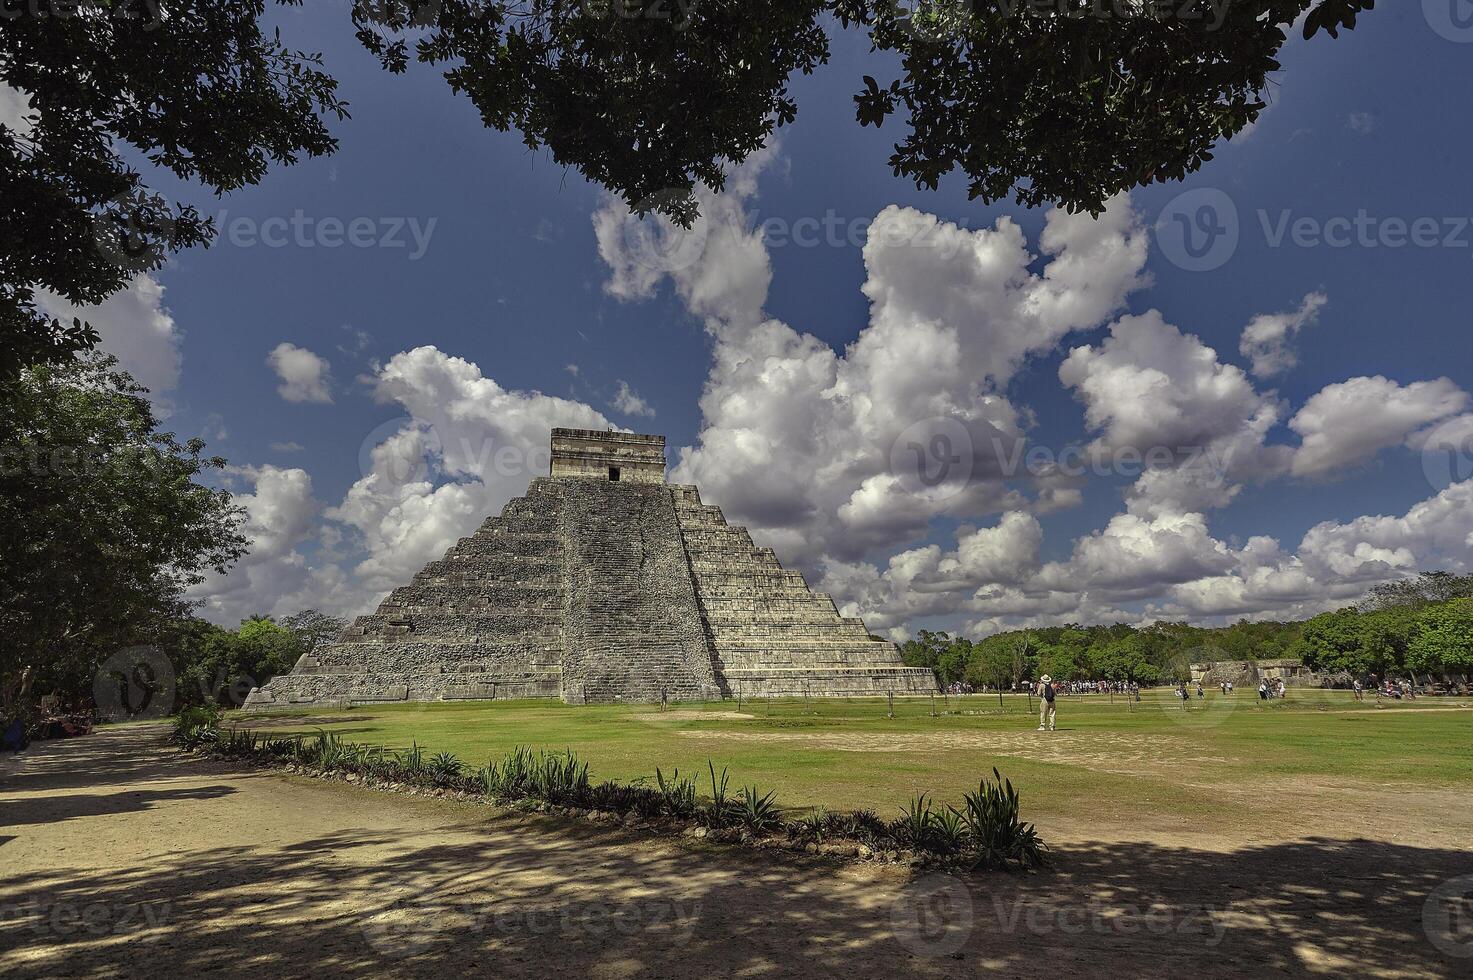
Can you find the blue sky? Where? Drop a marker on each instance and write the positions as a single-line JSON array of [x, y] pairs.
[[511, 280]]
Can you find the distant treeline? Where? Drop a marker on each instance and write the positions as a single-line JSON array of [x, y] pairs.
[[1419, 626]]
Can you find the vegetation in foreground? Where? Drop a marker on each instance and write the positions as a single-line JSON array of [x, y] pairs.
[[984, 832], [1225, 765]]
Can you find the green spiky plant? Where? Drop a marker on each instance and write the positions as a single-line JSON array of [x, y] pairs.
[[757, 812], [444, 768], [915, 826], [717, 812], [948, 833], [996, 835], [677, 794], [811, 828]]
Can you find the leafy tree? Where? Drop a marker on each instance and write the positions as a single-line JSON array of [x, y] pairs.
[[1345, 640], [1425, 589], [1443, 643], [201, 91], [1067, 102], [103, 523], [1125, 660], [925, 650], [267, 648], [995, 662], [1061, 663], [951, 665], [313, 628]]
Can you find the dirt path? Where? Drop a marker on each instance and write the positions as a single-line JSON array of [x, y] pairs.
[[120, 858]]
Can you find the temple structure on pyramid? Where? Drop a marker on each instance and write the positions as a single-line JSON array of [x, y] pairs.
[[602, 584]]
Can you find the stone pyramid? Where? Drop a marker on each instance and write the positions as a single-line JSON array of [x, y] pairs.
[[602, 584]]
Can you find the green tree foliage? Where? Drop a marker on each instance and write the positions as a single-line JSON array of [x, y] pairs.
[[1361, 644], [103, 521], [313, 628], [945, 655], [1125, 659], [221, 666], [1425, 589], [202, 92], [1067, 101], [1443, 642]]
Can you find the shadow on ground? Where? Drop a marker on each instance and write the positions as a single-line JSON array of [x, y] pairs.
[[451, 892]]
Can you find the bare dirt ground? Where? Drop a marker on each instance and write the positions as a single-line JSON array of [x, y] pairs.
[[684, 715], [119, 857]]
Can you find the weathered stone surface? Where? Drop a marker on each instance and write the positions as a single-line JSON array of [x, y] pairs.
[[596, 589]]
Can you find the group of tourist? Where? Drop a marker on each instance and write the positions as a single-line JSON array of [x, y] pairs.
[[1395, 689], [1269, 690], [1100, 687]]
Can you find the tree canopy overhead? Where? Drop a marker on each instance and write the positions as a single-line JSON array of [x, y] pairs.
[[202, 91], [1051, 101], [1059, 101]]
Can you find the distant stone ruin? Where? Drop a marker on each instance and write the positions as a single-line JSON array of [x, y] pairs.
[[1247, 673], [602, 584]]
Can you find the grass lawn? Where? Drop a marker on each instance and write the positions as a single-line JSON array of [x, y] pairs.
[[1317, 762]]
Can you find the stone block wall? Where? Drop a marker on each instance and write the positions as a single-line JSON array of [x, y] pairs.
[[771, 635], [593, 455], [634, 630]]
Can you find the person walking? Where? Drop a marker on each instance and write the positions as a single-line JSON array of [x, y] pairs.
[[1046, 718], [1360, 693]]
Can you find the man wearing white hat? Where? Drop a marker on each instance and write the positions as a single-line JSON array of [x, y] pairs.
[[1046, 703]]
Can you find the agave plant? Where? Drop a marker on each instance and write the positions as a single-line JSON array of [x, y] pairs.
[[648, 803], [998, 837], [622, 798], [560, 777], [716, 813], [812, 828], [758, 813], [511, 778], [948, 832], [196, 726], [914, 828], [861, 825], [677, 794], [444, 768]]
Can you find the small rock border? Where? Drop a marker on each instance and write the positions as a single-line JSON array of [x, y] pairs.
[[665, 827]]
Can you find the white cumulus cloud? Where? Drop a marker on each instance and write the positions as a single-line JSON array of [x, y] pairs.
[[136, 327], [628, 401], [1267, 338], [1347, 423], [305, 376]]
